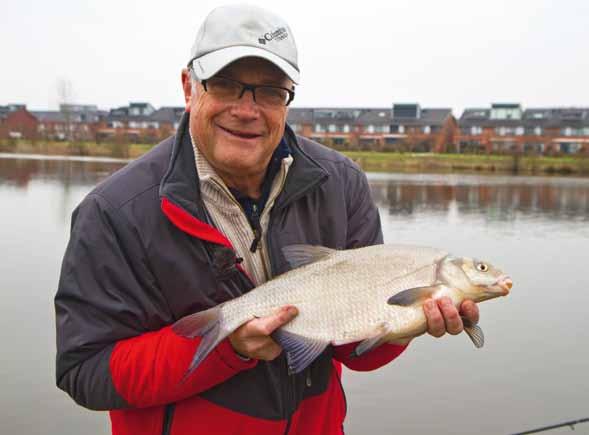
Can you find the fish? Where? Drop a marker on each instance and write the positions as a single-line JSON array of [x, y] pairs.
[[371, 295]]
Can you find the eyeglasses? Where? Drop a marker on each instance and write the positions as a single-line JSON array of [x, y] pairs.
[[231, 90]]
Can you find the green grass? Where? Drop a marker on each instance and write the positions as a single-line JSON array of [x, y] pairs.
[[368, 160]]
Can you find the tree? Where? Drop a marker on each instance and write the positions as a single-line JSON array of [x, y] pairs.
[[65, 95]]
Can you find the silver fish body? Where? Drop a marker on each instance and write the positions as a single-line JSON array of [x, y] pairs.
[[373, 295]]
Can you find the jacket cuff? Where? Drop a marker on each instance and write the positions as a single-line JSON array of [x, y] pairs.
[[227, 355]]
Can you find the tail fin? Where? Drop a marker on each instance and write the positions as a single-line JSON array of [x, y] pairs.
[[209, 325]]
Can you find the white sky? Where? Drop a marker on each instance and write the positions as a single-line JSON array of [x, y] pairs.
[[453, 53]]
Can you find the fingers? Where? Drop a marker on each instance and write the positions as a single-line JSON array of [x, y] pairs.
[[470, 310], [442, 317], [267, 325], [253, 340]]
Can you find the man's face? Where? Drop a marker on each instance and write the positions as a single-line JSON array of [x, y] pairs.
[[238, 137]]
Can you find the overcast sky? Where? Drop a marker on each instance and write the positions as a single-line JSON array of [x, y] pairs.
[[454, 53]]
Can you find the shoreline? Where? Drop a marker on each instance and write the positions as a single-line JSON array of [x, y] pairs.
[[370, 161]]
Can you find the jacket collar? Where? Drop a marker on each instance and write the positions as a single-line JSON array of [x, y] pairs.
[[180, 185]]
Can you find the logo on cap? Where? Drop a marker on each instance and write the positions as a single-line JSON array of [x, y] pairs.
[[277, 35]]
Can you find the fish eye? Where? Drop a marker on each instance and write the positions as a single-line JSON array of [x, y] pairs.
[[482, 267]]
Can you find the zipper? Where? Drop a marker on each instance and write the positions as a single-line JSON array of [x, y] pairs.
[[168, 416], [256, 227], [289, 403]]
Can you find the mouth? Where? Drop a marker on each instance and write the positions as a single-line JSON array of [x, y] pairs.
[[505, 283], [242, 134]]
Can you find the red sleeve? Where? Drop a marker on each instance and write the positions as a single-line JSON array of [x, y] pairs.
[[147, 370], [372, 360]]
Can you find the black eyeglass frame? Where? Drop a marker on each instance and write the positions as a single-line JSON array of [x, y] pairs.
[[252, 88]]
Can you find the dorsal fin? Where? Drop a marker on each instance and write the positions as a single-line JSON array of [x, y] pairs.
[[301, 255]]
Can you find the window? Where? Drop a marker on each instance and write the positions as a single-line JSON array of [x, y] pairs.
[[519, 131], [538, 131], [346, 128], [319, 128], [401, 129], [332, 128], [476, 130], [370, 128], [427, 129]]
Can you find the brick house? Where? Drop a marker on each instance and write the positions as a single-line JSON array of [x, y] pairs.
[[402, 127], [139, 122], [16, 122], [507, 128]]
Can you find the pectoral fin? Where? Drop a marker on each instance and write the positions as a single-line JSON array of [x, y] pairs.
[[413, 296], [475, 333], [300, 351]]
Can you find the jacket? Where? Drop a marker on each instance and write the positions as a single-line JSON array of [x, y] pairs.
[[142, 254]]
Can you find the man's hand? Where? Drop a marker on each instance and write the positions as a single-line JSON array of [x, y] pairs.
[[252, 339], [443, 317]]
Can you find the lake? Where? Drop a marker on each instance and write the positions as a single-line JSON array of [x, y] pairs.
[[533, 370]]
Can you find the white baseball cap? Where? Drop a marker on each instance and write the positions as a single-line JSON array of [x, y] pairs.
[[233, 32]]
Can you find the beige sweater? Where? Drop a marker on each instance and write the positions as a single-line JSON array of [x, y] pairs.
[[229, 217]]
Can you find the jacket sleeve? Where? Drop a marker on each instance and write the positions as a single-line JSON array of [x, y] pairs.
[[114, 346], [364, 229]]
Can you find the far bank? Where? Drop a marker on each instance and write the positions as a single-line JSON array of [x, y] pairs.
[[368, 160]]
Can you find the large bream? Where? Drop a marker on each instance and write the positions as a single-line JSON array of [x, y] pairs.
[[371, 295]]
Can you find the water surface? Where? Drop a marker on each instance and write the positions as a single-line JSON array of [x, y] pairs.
[[531, 372]]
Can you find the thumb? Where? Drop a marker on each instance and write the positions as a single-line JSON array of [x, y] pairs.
[[268, 324]]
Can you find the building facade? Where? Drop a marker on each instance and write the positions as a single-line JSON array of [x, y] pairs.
[[508, 128], [499, 129]]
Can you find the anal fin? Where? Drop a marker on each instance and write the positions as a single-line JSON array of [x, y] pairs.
[[371, 342], [300, 351]]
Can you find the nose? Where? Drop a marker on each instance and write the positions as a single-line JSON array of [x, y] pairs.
[[245, 107]]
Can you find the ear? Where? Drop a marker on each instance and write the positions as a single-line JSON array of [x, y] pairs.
[[187, 88]]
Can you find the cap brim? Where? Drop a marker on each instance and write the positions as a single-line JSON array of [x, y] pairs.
[[210, 64]]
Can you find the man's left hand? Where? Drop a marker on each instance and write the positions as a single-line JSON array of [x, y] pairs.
[[442, 316]]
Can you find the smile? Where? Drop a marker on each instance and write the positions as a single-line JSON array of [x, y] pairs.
[[240, 134]]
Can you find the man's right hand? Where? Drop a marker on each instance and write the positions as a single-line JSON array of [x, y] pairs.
[[252, 339]]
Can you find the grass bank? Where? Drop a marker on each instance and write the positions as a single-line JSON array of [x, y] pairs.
[[368, 160], [80, 148], [427, 162]]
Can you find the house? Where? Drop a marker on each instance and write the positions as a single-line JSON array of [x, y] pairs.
[[404, 126], [70, 122], [129, 123], [16, 122], [508, 128], [167, 119], [373, 129], [416, 129]]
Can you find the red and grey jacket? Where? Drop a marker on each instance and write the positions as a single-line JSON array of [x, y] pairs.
[[142, 254]]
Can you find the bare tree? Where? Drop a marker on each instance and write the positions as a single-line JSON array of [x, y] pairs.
[[65, 95]]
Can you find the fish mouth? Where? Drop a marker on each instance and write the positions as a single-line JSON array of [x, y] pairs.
[[504, 283]]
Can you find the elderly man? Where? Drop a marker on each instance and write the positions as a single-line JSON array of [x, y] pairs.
[[197, 221]]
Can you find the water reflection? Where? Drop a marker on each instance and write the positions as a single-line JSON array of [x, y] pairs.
[[535, 227], [20, 172], [498, 199]]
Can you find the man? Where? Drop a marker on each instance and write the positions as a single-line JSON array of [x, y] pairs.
[[197, 221]]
